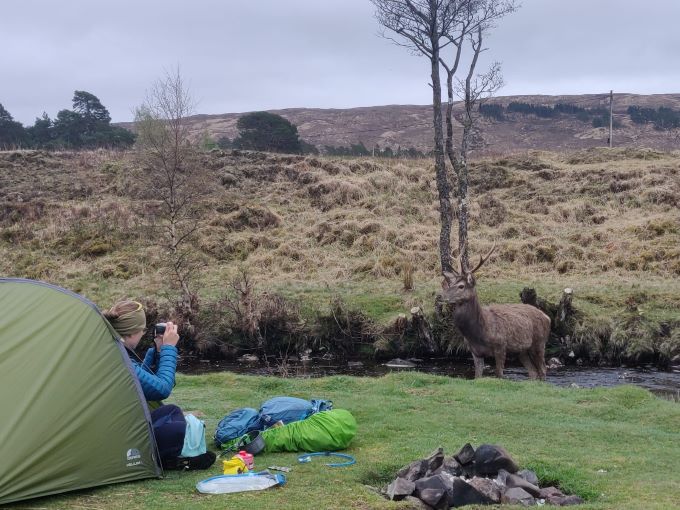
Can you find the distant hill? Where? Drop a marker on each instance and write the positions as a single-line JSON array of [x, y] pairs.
[[411, 125]]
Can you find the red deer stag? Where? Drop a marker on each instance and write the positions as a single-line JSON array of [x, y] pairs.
[[495, 330]]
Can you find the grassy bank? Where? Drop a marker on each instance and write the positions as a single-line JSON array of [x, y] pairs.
[[313, 229], [617, 448]]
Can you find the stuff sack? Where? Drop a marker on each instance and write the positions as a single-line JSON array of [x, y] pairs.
[[194, 437], [289, 409], [236, 424], [324, 431]]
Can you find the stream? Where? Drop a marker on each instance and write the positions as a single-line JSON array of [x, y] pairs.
[[662, 383]]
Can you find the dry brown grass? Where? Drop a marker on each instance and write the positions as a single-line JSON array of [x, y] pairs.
[[587, 219], [592, 212]]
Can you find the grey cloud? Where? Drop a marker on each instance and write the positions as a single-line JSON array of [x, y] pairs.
[[242, 55]]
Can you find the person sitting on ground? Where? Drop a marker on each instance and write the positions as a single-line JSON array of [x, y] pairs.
[[180, 439]]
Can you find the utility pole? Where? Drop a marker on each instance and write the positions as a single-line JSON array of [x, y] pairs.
[[611, 117]]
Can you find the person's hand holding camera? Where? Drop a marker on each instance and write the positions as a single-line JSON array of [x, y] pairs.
[[165, 333], [170, 337]]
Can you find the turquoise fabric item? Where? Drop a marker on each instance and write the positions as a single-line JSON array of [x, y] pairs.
[[194, 438]]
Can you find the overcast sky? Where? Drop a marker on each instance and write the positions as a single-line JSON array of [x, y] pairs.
[[245, 55]]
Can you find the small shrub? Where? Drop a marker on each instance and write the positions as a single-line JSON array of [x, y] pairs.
[[334, 192], [96, 248], [527, 253], [564, 266], [585, 213], [545, 253], [510, 233], [537, 207], [485, 176], [492, 211], [228, 180], [254, 217], [344, 330]]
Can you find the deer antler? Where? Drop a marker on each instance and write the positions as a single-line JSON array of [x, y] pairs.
[[484, 259]]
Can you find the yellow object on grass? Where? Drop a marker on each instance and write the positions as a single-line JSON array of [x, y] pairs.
[[234, 466]]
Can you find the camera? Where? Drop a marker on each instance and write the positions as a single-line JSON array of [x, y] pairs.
[[159, 329]]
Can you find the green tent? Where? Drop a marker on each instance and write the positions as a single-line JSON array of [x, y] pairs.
[[73, 413]]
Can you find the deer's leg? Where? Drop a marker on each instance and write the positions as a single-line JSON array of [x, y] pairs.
[[538, 357], [528, 364], [499, 355], [479, 366]]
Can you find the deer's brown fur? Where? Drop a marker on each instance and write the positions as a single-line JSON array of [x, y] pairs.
[[496, 330]]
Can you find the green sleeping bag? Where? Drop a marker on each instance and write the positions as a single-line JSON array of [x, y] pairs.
[[324, 431]]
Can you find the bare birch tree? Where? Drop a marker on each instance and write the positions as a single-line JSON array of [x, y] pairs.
[[422, 26], [431, 28], [473, 90], [172, 174]]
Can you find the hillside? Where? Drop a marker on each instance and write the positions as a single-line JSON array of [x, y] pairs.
[[411, 126], [606, 223]]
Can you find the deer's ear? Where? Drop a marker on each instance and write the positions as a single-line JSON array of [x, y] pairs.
[[445, 284], [470, 280]]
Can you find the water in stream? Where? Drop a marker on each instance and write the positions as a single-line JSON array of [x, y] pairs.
[[665, 383]]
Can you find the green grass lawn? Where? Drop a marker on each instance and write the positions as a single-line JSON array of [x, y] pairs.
[[617, 448]]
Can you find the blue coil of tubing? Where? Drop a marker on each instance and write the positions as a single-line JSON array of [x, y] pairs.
[[349, 460]]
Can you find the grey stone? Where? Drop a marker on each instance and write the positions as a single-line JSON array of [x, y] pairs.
[[249, 358], [487, 487], [450, 466], [465, 455], [434, 461], [566, 500], [416, 504], [434, 491], [468, 470], [400, 488], [465, 494], [399, 363], [549, 492], [529, 476], [517, 496], [413, 471], [425, 467], [517, 481], [502, 477], [489, 459]]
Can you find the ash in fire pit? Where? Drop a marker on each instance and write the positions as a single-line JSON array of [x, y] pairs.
[[485, 476]]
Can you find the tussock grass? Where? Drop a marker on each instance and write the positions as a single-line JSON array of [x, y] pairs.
[[604, 222]]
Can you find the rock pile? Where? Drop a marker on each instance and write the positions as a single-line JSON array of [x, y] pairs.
[[485, 476]]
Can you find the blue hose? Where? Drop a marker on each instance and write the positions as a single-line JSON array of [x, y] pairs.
[[308, 458]]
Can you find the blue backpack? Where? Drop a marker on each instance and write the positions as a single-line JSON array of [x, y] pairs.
[[290, 409], [236, 424]]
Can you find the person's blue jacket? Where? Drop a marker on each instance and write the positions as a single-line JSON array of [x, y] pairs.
[[157, 373]]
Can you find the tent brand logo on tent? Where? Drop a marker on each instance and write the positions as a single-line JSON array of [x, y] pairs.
[[133, 453]]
